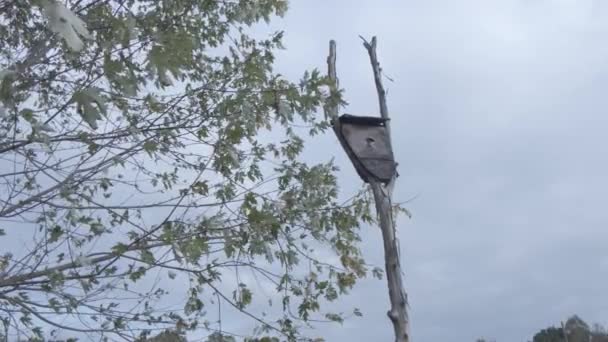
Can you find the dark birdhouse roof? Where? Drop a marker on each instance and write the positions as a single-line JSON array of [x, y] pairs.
[[362, 120]]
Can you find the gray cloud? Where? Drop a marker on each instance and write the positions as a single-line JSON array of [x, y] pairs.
[[499, 117]]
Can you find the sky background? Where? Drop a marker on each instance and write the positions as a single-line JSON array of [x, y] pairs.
[[498, 119], [498, 114]]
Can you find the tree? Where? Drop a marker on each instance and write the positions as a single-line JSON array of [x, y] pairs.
[[148, 146], [167, 336], [599, 333], [577, 330], [550, 334]]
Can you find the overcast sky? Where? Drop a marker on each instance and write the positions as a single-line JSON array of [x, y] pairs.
[[498, 113], [499, 120]]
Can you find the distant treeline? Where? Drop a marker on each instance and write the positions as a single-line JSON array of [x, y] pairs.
[[574, 330]]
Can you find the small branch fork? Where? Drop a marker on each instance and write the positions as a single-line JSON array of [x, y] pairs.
[[382, 196]]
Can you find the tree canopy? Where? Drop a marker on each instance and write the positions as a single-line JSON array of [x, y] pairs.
[[574, 330], [152, 155]]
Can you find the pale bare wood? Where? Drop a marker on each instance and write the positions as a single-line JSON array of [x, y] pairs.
[[373, 57], [382, 195], [332, 111]]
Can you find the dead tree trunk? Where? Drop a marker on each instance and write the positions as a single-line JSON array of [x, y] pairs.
[[382, 196]]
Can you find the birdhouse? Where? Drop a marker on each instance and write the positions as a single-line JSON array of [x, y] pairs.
[[367, 143]]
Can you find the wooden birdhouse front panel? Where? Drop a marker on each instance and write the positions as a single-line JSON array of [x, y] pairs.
[[369, 145]]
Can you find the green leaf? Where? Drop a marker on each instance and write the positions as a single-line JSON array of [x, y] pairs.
[[147, 257], [194, 249], [119, 323], [137, 274], [201, 188], [150, 146], [378, 273], [28, 115], [54, 304], [55, 233], [7, 77], [66, 24], [242, 296], [5, 74], [90, 105], [334, 317], [120, 248], [97, 228], [219, 337]]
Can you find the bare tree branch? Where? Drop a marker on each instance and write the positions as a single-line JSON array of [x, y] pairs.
[[398, 297]]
